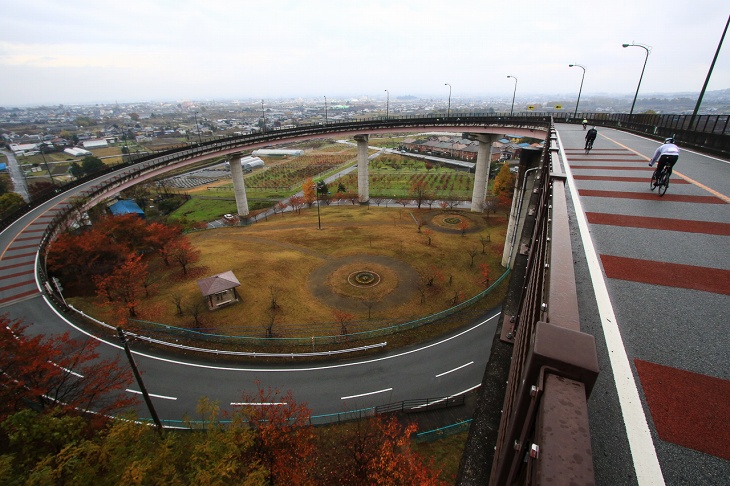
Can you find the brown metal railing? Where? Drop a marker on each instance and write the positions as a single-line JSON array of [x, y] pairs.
[[543, 436]]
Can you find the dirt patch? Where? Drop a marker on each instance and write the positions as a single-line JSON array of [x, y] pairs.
[[331, 282]]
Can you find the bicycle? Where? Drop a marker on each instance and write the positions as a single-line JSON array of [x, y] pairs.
[[589, 145], [660, 180]]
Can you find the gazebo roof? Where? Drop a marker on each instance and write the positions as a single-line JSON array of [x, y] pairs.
[[218, 283]]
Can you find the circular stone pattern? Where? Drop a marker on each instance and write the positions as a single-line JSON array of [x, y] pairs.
[[364, 278], [452, 220]]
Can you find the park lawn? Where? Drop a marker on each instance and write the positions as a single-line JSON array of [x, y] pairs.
[[279, 254]]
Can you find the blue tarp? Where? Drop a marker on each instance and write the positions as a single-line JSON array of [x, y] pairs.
[[3, 167], [126, 206]]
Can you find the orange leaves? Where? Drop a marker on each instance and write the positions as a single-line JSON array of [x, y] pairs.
[[57, 371], [125, 284]]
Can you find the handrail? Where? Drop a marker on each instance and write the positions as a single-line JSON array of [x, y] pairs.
[[551, 357]]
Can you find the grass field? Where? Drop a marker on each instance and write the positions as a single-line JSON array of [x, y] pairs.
[[280, 256]]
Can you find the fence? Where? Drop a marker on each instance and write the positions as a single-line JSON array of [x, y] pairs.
[[543, 434]]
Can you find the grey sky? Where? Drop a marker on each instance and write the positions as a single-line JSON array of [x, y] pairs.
[[84, 51]]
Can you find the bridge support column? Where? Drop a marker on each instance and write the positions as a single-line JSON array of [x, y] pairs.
[[363, 169], [481, 173], [239, 188]]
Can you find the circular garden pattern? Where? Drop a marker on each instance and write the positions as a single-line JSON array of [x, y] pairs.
[[364, 278]]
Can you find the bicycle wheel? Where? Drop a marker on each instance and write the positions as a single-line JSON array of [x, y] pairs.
[[663, 183], [653, 182]]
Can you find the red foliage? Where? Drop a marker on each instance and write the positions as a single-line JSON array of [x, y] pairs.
[[47, 372], [125, 284], [284, 438]]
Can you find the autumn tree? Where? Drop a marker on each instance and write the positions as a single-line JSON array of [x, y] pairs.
[[419, 192], [308, 192], [160, 237], [58, 371], [344, 319], [484, 271], [183, 253], [375, 450], [125, 284], [504, 183], [296, 202], [284, 439]]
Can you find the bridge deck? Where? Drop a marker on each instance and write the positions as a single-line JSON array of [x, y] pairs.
[[664, 261]]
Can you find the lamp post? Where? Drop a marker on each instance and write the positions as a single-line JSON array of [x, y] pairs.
[[325, 110], [387, 103], [511, 110], [195, 114], [581, 86], [263, 116], [45, 162], [316, 196], [646, 48], [448, 110], [707, 79]]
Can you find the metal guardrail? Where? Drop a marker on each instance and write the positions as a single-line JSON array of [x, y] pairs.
[[421, 405], [543, 436]]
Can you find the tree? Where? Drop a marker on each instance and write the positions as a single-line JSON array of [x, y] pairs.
[[473, 252], [9, 202], [183, 253], [484, 239], [160, 238], [504, 183], [124, 284], [76, 170], [296, 202], [57, 371], [484, 271], [308, 191], [343, 318], [375, 450], [419, 192], [91, 164], [284, 439]]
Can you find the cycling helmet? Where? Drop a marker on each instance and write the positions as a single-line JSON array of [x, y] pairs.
[[669, 140]]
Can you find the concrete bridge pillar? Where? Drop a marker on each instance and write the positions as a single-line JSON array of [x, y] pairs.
[[363, 169], [481, 173], [239, 188]]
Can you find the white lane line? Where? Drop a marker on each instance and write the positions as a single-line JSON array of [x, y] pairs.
[[152, 395], [455, 369], [643, 453], [257, 404], [66, 370], [368, 393], [269, 370]]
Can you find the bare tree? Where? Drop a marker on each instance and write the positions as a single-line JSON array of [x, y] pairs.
[[473, 252], [369, 304], [195, 310], [484, 239], [274, 293], [177, 300], [269, 326]]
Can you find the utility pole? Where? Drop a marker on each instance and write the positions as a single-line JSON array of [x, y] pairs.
[[138, 377]]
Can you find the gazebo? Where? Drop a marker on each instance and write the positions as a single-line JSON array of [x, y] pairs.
[[219, 290]]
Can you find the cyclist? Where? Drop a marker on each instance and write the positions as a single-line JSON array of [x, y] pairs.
[[591, 137], [667, 154], [585, 122]]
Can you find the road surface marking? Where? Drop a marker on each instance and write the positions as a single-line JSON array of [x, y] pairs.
[[257, 404], [151, 394], [455, 369], [643, 452], [368, 393]]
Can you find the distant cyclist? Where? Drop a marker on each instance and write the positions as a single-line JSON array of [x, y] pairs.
[[585, 122], [591, 137], [667, 154]]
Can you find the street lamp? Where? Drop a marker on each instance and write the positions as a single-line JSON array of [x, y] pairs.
[[325, 110], [195, 114], [581, 86], [316, 196], [387, 103], [646, 48], [448, 110], [511, 110], [263, 116]]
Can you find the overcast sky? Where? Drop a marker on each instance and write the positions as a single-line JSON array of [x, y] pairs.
[[86, 51]]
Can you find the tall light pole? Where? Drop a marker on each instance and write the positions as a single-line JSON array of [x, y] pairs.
[[448, 110], [646, 48], [195, 114], [709, 73], [325, 110], [581, 86], [387, 103], [511, 110], [263, 116]]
